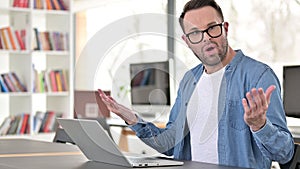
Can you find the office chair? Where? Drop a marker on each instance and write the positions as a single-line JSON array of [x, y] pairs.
[[61, 135], [294, 163]]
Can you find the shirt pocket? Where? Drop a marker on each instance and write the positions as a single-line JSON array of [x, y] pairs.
[[236, 115]]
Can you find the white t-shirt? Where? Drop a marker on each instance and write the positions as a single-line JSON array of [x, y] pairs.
[[202, 115]]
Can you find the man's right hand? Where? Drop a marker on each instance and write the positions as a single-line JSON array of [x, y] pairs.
[[125, 113]]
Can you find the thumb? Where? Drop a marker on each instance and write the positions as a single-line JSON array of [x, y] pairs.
[[269, 92]]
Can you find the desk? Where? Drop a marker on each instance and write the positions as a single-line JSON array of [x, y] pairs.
[[296, 138], [295, 130], [29, 154]]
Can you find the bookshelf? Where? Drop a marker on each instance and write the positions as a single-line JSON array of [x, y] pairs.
[[50, 29]]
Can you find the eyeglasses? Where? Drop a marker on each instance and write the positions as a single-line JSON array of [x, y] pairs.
[[212, 31]]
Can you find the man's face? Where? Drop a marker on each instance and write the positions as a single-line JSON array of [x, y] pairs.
[[210, 51]]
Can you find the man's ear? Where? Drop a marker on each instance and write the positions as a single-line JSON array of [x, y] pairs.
[[226, 25], [185, 39]]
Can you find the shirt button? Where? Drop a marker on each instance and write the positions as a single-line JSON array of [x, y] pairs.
[[186, 103]]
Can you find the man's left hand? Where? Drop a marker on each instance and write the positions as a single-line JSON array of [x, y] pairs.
[[255, 107]]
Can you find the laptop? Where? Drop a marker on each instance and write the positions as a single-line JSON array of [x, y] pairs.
[[96, 145]]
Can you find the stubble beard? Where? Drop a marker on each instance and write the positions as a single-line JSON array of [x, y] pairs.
[[217, 58]]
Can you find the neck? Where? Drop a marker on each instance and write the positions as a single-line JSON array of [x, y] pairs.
[[211, 69]]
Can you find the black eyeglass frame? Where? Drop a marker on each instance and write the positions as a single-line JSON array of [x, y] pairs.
[[205, 31]]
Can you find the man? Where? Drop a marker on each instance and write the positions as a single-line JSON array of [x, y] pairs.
[[228, 109]]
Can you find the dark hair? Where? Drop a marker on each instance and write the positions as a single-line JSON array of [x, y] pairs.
[[195, 4]]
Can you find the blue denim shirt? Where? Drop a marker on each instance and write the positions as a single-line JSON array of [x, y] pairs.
[[237, 144]]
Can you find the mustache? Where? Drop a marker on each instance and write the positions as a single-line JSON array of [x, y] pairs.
[[208, 43]]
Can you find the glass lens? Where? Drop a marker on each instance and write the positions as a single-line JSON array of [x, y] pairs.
[[195, 36], [215, 31]]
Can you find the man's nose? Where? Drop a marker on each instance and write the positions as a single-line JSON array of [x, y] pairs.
[[206, 37]]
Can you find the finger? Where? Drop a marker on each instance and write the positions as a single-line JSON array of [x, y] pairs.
[[256, 98], [104, 97], [246, 107], [263, 99], [106, 101], [269, 92], [111, 98], [101, 93], [250, 101]]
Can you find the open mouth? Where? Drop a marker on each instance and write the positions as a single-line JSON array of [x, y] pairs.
[[209, 49]]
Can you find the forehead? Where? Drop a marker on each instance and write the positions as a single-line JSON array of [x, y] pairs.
[[201, 18]]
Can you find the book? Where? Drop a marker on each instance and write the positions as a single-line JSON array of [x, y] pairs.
[[54, 124], [26, 4], [62, 80], [3, 85], [55, 40], [5, 39], [53, 81], [48, 5], [58, 81], [18, 82], [16, 3], [38, 4], [61, 41], [14, 125], [5, 126], [49, 122], [28, 125], [47, 81], [65, 80], [9, 45], [14, 82], [23, 36], [62, 5], [8, 82], [1, 46], [41, 82], [11, 38], [37, 121], [37, 39], [24, 123], [46, 114], [35, 79], [21, 3], [55, 4], [46, 41], [20, 41], [34, 4], [21, 116]]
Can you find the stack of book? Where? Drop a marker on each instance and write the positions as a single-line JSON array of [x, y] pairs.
[[11, 39], [43, 122], [18, 124], [53, 4], [10, 82], [54, 41], [54, 80], [21, 3]]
